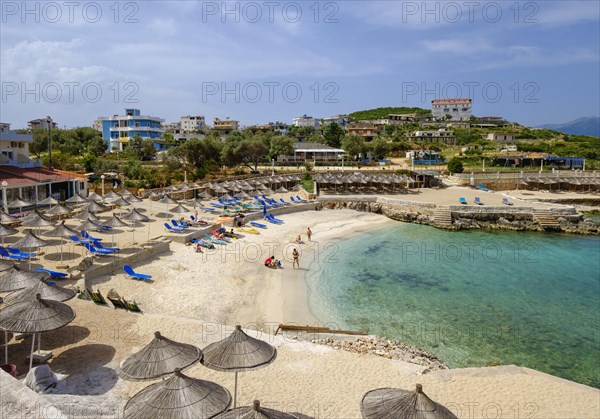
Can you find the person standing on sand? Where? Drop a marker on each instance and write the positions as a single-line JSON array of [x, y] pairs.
[[296, 256], [308, 233]]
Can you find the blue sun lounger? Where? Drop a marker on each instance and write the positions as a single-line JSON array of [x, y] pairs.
[[462, 201], [5, 254], [53, 274], [173, 229], [259, 225], [17, 252], [133, 274], [95, 251], [505, 201], [478, 201]]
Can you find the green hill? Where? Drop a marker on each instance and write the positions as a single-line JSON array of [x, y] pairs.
[[385, 112]]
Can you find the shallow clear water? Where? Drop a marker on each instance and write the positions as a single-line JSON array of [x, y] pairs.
[[473, 298]]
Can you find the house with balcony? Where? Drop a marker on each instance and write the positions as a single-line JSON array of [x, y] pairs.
[[118, 130], [42, 123], [191, 123], [306, 121], [501, 138], [401, 119], [367, 130], [225, 126], [24, 178], [440, 135], [341, 120]]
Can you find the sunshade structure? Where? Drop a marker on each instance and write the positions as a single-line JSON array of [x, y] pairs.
[[91, 226], [36, 220], [30, 241], [111, 196], [236, 353], [7, 219], [136, 216], [6, 265], [7, 231], [94, 197], [35, 316], [204, 195], [179, 209], [48, 201], [393, 403], [61, 231], [169, 201], [178, 397], [281, 190], [46, 291], [76, 199], [18, 203], [95, 207], [122, 202], [58, 210], [160, 357], [255, 412], [114, 222], [17, 279]]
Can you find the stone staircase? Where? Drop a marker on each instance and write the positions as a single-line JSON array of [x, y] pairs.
[[442, 216], [545, 219]]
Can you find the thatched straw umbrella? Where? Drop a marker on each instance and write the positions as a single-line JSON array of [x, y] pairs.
[[89, 225], [95, 207], [7, 219], [17, 279], [169, 201], [122, 202], [36, 220], [76, 199], [236, 353], [18, 203], [86, 215], [6, 265], [35, 316], [179, 397], [255, 412], [179, 209], [393, 403], [48, 201], [281, 190], [134, 215], [94, 197], [46, 291], [113, 222], [112, 195], [160, 357], [61, 231], [58, 210], [7, 231], [30, 241], [204, 195]]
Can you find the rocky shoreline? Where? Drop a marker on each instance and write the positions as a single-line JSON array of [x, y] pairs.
[[482, 218], [387, 348]]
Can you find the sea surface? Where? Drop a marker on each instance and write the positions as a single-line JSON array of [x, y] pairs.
[[473, 298]]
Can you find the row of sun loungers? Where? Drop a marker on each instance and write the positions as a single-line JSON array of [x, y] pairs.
[[14, 254], [478, 201], [114, 298]]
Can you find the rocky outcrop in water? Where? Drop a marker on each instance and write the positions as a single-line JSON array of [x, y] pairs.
[[387, 348]]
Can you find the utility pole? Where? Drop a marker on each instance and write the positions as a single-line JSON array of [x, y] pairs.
[[49, 121]]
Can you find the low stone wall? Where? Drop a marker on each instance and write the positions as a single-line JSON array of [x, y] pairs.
[[464, 217], [146, 251], [19, 401]]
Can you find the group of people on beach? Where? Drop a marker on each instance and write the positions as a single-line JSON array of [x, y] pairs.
[[271, 262]]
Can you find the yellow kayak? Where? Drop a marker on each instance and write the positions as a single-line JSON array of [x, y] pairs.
[[248, 230]]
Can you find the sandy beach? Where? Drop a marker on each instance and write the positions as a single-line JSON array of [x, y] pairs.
[[193, 295]]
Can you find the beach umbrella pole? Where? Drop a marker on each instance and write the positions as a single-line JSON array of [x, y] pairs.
[[5, 347], [32, 347], [234, 390]]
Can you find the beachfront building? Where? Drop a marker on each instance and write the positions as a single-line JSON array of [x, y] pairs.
[[501, 138], [401, 119], [42, 123], [118, 130], [367, 130], [341, 120], [424, 157], [22, 177], [314, 152], [225, 126], [441, 135], [191, 123], [306, 121], [454, 109]]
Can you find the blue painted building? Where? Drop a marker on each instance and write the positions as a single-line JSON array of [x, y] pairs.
[[117, 130]]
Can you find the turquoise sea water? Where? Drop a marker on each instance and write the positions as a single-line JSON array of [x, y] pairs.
[[473, 298]]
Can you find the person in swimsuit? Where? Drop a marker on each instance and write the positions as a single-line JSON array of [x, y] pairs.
[[296, 257]]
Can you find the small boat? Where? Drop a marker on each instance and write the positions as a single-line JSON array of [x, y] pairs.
[[248, 230]]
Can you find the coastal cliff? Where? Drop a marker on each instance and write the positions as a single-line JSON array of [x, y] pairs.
[[565, 220]]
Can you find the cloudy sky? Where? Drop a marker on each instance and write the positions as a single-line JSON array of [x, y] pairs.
[[531, 62]]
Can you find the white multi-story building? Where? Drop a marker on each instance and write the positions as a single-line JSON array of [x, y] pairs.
[[441, 135], [306, 121], [192, 123], [43, 123], [341, 120], [458, 108]]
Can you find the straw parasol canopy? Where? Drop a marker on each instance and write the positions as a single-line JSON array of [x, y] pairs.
[[30, 241], [7, 219], [134, 215], [392, 403], [179, 209], [238, 352], [58, 210], [86, 215], [46, 291], [160, 357], [111, 195], [94, 197], [7, 231], [17, 279], [122, 202], [91, 226], [18, 203], [95, 207], [35, 219], [255, 412], [48, 201], [6, 265], [204, 195], [168, 200], [35, 316], [132, 198], [115, 221], [61, 231], [281, 190], [76, 199], [179, 397]]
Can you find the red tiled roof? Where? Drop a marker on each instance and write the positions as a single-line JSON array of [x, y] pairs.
[[16, 176]]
